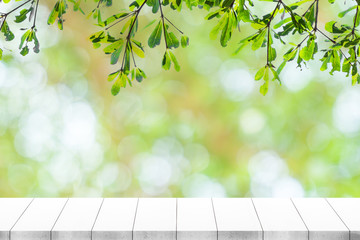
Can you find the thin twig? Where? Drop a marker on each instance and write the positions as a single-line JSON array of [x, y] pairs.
[[252, 17], [173, 25], [100, 1], [16, 8], [353, 29], [163, 23], [299, 45], [132, 54], [268, 33], [333, 41], [36, 9], [129, 15], [130, 31], [309, 8], [4, 15], [316, 15]]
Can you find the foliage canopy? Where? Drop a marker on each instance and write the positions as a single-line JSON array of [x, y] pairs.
[[274, 27]]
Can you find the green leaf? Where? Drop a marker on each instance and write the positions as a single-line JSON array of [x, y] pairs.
[[172, 41], [272, 54], [127, 60], [335, 61], [7, 32], [138, 49], [115, 89], [258, 41], [332, 28], [115, 17], [275, 74], [54, 14], [242, 45], [112, 47], [150, 23], [290, 54], [22, 16], [258, 25], [357, 17], [264, 88], [36, 48], [25, 51], [227, 3], [343, 13], [155, 6], [184, 41], [324, 64], [139, 75], [244, 16], [133, 5], [1, 53], [307, 52], [281, 67], [216, 13], [97, 37], [24, 38], [113, 75], [346, 67], [282, 22], [220, 25], [226, 32], [266, 74], [60, 24], [260, 73], [155, 36], [166, 62], [355, 79], [174, 60], [115, 55]]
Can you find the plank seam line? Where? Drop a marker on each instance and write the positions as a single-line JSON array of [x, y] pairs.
[[217, 229], [176, 221], [91, 233], [262, 229], [58, 218], [19, 218], [132, 232], [339, 217], [301, 218]]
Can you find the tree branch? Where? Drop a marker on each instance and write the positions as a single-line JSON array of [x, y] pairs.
[[268, 33], [36, 9], [122, 19], [355, 19], [173, 25], [163, 23], [130, 31], [316, 14], [16, 8]]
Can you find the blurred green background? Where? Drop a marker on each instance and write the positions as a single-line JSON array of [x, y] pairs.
[[205, 131]]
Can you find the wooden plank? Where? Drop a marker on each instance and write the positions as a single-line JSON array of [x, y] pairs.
[[39, 218], [77, 219], [236, 219], [115, 219], [155, 219], [279, 219], [321, 220], [195, 219], [10, 211], [348, 209]]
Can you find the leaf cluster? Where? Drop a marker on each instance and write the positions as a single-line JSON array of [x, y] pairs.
[[275, 28]]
